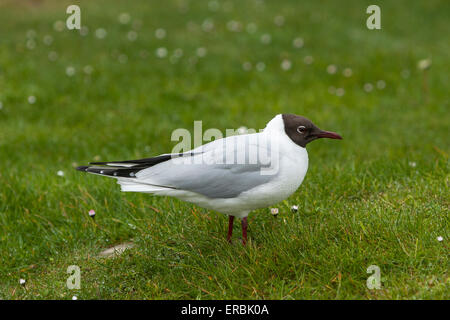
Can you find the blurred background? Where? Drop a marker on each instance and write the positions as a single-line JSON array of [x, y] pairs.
[[137, 70]]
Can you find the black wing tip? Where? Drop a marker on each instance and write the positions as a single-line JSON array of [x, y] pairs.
[[111, 167], [114, 172]]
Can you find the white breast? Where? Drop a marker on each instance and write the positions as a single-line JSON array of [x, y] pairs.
[[292, 168]]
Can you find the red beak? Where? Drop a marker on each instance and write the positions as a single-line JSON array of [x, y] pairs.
[[329, 135]]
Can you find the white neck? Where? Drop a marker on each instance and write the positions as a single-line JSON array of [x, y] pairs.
[[276, 124]]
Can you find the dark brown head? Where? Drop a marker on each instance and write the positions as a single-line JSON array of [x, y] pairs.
[[302, 131]]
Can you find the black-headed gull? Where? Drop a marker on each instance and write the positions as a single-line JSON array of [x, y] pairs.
[[233, 175]]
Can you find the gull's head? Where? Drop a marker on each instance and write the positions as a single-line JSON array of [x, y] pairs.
[[300, 129]]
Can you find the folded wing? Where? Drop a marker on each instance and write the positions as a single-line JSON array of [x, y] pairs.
[[221, 169]]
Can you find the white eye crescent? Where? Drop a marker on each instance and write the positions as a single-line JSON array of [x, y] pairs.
[[301, 129]]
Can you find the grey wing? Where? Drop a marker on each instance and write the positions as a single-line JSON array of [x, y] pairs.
[[221, 169]]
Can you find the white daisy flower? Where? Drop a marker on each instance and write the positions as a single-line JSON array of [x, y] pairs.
[[100, 33], [178, 52], [381, 84], [31, 99], [331, 69], [161, 52], [70, 71], [132, 35], [160, 33], [347, 72], [52, 56], [405, 73], [260, 66], [368, 87], [88, 69], [208, 25], [424, 64], [124, 18], [298, 42], [308, 60], [31, 44], [59, 25], [279, 20], [31, 33], [48, 40], [201, 52], [247, 66], [234, 26], [340, 92], [286, 64], [84, 31], [213, 5], [266, 38]]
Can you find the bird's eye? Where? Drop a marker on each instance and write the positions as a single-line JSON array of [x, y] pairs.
[[301, 129]]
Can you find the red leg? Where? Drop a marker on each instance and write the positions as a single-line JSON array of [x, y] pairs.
[[244, 230], [230, 227]]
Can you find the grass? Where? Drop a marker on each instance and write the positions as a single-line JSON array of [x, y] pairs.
[[380, 196]]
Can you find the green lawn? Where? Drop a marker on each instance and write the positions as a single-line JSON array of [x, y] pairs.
[[378, 197]]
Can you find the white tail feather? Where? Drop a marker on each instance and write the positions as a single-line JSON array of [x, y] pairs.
[[131, 185]]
